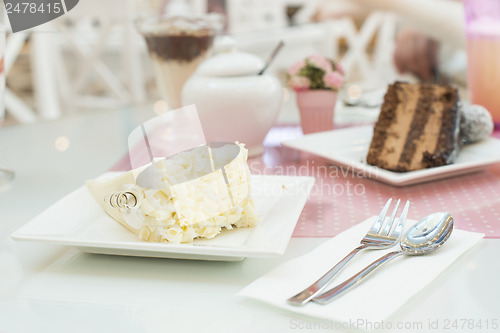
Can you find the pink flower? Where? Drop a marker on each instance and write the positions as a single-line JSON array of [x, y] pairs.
[[320, 62], [295, 68], [299, 83], [333, 80]]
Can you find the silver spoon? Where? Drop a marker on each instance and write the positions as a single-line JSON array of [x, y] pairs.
[[425, 236], [271, 57]]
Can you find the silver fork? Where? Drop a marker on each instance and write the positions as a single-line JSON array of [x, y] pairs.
[[378, 237]]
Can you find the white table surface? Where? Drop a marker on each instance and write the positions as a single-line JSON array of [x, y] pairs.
[[48, 288]]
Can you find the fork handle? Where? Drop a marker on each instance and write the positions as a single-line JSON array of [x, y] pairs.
[[327, 296], [307, 294]]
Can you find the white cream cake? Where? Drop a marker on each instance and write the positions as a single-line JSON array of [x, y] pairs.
[[193, 194]]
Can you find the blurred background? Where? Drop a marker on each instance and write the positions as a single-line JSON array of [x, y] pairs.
[[93, 57]]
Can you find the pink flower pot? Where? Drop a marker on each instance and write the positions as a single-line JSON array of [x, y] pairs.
[[316, 110]]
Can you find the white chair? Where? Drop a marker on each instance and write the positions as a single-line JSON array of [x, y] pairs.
[[14, 105], [88, 32], [371, 68], [53, 43], [68, 38]]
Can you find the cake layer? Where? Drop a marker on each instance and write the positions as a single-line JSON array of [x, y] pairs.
[[417, 127]]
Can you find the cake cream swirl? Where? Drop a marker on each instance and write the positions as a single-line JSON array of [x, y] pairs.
[[197, 193]]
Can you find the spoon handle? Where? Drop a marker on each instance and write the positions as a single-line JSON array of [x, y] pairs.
[[314, 289], [271, 57], [327, 296]]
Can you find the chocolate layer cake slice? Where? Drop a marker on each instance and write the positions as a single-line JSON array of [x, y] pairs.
[[417, 128]]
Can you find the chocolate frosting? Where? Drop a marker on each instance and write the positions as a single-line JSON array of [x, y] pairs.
[[177, 38], [182, 46]]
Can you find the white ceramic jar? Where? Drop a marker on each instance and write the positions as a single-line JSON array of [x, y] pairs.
[[233, 102]]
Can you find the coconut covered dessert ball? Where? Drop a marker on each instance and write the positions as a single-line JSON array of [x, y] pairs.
[[475, 124]]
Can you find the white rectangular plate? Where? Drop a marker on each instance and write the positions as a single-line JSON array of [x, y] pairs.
[[348, 148], [77, 220]]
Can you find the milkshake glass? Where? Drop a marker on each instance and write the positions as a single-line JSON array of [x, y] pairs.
[[483, 54], [176, 45]]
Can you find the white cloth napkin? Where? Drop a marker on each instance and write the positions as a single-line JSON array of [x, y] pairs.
[[378, 296]]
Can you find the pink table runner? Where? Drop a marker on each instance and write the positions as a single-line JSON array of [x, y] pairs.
[[340, 199]]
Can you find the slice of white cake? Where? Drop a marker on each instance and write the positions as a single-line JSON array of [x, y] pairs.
[[193, 194]]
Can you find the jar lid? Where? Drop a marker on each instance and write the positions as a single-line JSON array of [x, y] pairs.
[[230, 62]]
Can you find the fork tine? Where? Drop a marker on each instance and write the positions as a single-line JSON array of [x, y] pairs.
[[377, 225], [390, 223], [402, 219]]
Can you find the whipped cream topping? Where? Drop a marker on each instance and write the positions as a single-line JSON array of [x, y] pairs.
[[194, 194]]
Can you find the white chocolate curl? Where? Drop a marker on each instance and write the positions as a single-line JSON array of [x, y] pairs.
[[193, 194]]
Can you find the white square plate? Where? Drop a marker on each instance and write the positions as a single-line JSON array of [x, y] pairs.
[[348, 148], [77, 220]]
